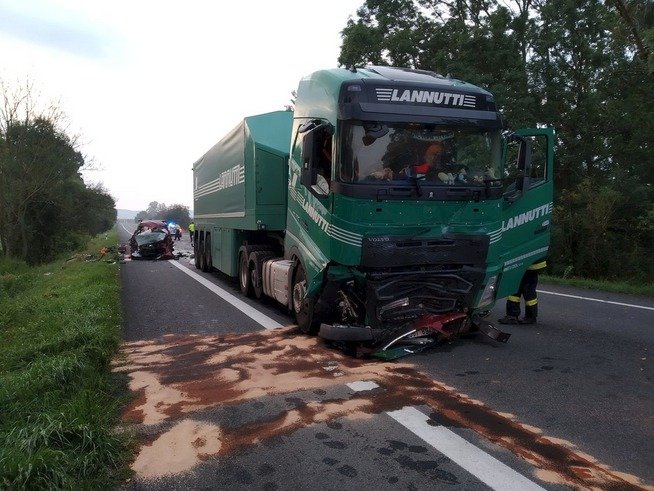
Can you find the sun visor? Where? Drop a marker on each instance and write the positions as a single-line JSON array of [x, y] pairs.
[[426, 103]]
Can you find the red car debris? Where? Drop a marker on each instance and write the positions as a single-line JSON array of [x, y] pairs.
[[151, 240]]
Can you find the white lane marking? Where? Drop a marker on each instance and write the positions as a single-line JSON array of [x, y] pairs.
[[265, 321], [596, 300], [125, 229], [362, 385], [463, 453]]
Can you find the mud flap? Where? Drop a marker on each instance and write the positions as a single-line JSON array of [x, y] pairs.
[[491, 331]]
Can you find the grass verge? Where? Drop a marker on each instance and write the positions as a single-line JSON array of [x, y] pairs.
[[645, 289], [59, 328]]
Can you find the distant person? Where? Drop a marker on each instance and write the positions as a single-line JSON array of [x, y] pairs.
[[191, 231], [178, 232], [527, 290]]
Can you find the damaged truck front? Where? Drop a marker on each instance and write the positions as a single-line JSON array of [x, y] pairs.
[[389, 209]]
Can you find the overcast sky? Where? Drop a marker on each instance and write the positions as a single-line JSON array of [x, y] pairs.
[[152, 85]]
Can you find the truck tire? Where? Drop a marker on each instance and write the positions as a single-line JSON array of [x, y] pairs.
[[244, 275], [206, 254], [256, 270], [303, 307], [196, 254], [200, 254]]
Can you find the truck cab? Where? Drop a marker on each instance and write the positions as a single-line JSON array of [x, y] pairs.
[[407, 198]]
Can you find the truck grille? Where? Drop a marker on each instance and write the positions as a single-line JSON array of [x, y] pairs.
[[427, 292], [402, 251]]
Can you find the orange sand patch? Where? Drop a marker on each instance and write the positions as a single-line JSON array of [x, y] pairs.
[[158, 397], [178, 450]]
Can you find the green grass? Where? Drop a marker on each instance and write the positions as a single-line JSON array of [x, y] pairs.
[[646, 289], [59, 328]]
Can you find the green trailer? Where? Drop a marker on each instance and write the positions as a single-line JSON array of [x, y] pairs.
[[391, 207], [240, 190]]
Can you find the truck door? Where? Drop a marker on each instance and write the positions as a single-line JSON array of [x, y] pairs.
[[527, 203], [309, 203]]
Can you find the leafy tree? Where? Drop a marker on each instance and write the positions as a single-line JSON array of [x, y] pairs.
[[155, 209], [44, 204], [141, 215], [585, 68], [178, 214], [159, 211]]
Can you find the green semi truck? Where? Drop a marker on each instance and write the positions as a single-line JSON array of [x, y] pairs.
[[389, 209]]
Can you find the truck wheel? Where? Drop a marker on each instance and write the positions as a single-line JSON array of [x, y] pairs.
[[196, 254], [244, 275], [302, 307], [200, 255], [256, 271], [206, 254]]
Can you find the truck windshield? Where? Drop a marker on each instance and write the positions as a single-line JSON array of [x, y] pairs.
[[374, 152]]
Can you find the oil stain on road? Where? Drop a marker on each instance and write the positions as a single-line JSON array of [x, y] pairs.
[[177, 377]]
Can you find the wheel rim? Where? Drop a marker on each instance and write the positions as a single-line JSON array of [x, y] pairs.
[[243, 274], [299, 292]]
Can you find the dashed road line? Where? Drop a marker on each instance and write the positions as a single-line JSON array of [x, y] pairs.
[[362, 385], [125, 229], [265, 321]]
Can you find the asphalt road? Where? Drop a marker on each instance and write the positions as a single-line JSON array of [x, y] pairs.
[[564, 404]]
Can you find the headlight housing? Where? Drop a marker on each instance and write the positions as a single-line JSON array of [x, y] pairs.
[[488, 296]]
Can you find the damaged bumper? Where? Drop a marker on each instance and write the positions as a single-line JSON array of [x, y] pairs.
[[411, 337]]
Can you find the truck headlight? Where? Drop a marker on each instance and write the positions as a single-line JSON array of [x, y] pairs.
[[488, 295]]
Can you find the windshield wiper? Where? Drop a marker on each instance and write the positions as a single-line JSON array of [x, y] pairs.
[[418, 190], [413, 176]]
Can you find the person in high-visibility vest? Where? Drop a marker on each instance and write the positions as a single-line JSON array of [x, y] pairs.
[[191, 231], [528, 291]]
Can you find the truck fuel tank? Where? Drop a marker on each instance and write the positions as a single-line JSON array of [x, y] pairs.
[[276, 276]]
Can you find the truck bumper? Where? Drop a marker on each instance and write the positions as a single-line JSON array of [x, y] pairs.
[[411, 338]]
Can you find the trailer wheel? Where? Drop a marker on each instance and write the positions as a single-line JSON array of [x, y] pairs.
[[206, 254], [200, 254], [244, 276], [196, 254], [302, 306]]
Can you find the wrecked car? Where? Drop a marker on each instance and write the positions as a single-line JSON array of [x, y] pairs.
[[151, 240]]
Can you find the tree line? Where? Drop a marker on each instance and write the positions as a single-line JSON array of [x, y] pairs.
[[583, 67], [45, 206], [177, 213]]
